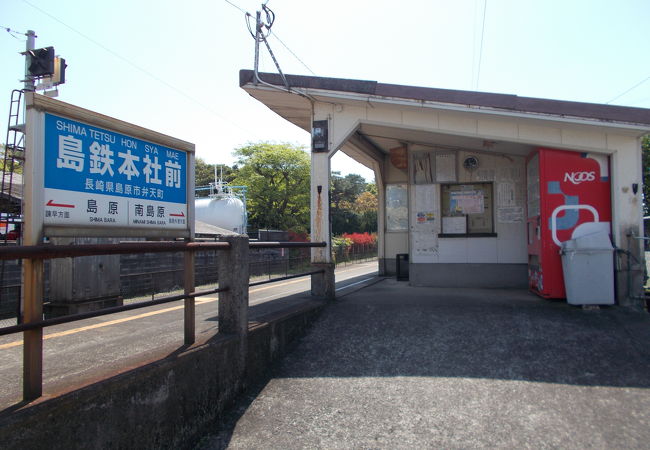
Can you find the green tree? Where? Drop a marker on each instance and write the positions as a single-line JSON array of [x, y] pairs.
[[204, 172], [277, 177], [366, 207], [345, 190], [353, 204], [645, 158], [15, 166], [343, 193]]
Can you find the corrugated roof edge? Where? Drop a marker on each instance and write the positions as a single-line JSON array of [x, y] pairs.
[[609, 113]]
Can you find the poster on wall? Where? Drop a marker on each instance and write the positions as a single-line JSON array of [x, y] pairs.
[[424, 233], [454, 225], [506, 194], [445, 167], [422, 168], [467, 202], [396, 207], [514, 214]]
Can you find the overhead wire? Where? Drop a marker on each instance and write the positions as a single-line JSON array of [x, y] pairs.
[[232, 4], [270, 16], [480, 54], [274, 34], [13, 33], [630, 89], [474, 44], [141, 69]]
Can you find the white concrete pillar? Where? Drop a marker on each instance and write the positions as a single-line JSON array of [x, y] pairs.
[[627, 186], [381, 216], [320, 214]]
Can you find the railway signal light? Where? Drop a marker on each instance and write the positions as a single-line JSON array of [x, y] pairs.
[[58, 77], [40, 62]]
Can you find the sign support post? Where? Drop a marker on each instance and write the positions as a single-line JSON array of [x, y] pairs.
[[33, 268], [33, 339]]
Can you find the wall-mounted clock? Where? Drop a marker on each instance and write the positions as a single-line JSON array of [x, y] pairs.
[[470, 163]]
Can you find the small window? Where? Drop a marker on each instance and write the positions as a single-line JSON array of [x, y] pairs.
[[467, 210]]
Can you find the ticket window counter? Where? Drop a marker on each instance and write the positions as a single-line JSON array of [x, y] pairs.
[[467, 210]]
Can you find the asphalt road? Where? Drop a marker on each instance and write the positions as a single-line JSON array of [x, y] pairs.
[[81, 352]]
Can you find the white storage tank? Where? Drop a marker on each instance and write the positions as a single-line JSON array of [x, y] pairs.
[[224, 211]]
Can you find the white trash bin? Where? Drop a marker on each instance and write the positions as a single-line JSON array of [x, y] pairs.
[[588, 267]]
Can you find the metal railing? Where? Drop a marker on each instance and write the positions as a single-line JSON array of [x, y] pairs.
[[354, 254], [33, 329]]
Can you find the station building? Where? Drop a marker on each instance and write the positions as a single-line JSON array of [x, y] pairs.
[[467, 181]]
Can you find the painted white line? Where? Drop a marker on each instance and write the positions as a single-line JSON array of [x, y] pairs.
[[354, 284]]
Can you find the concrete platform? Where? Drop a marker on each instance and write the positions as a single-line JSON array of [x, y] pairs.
[[393, 366]]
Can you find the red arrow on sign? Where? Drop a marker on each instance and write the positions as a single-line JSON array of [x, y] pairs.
[[60, 205], [178, 215]]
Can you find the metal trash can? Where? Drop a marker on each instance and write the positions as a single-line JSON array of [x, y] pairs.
[[588, 267], [402, 266]]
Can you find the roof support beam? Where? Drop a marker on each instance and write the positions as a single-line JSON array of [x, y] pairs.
[[369, 148]]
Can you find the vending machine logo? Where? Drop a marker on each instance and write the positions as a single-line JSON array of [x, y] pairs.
[[579, 177]]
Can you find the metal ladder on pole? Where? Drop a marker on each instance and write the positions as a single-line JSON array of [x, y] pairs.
[[11, 188]]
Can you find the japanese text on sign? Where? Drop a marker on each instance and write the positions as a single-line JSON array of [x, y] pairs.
[[94, 176], [89, 159]]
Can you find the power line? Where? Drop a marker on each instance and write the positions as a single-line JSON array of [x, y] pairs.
[[294, 55], [232, 4], [480, 54], [630, 89], [247, 14], [141, 69], [471, 83], [14, 33]]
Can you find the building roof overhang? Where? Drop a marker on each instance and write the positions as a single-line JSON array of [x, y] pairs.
[[295, 104]]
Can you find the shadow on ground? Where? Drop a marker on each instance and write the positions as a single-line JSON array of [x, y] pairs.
[[396, 343]]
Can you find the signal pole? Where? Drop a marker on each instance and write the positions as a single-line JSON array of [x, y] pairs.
[[31, 45]]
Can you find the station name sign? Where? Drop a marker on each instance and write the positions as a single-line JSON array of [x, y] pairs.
[[97, 177]]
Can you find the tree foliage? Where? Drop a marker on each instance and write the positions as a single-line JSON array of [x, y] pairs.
[[353, 204], [277, 177], [204, 172], [366, 207], [345, 190], [15, 166]]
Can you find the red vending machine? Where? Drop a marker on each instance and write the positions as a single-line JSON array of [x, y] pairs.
[[568, 194]]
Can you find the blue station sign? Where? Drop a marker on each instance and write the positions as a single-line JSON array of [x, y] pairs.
[[97, 177]]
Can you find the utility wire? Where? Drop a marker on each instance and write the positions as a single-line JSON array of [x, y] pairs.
[[232, 4], [294, 55], [141, 69], [270, 19], [13, 33], [480, 54], [630, 89], [471, 83]]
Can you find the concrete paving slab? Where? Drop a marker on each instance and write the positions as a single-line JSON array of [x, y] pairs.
[[394, 366]]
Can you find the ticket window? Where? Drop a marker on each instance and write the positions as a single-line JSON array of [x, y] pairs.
[[467, 210]]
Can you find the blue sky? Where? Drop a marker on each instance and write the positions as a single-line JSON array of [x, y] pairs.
[[173, 67]]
